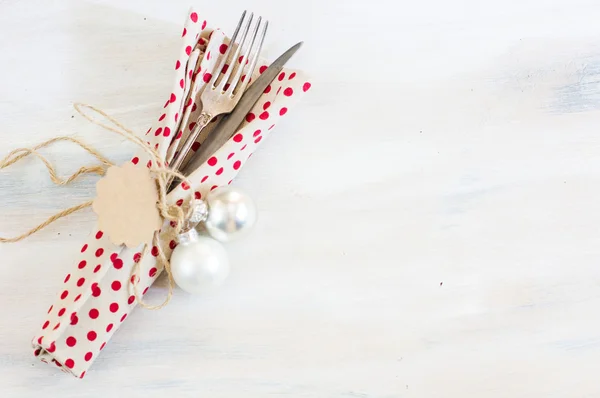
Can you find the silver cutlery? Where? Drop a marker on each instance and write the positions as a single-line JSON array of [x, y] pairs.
[[223, 91]]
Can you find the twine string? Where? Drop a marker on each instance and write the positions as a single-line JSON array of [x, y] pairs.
[[176, 215]]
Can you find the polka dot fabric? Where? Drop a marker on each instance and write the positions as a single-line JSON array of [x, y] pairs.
[[96, 297]]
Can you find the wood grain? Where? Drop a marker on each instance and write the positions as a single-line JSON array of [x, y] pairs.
[[428, 217]]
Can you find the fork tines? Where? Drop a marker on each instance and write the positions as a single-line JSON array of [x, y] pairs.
[[232, 81]]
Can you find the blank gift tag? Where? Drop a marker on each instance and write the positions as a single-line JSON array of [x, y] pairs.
[[125, 203]]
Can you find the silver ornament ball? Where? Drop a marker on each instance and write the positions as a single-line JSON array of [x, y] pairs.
[[231, 213], [199, 264]]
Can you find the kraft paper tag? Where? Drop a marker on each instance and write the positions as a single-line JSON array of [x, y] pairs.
[[125, 203]]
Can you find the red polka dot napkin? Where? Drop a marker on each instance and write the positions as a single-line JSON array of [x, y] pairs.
[[96, 296]]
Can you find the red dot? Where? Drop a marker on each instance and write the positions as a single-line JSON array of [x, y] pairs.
[[82, 374], [82, 264], [197, 195], [135, 160], [97, 268], [149, 164], [51, 348], [179, 135], [256, 141], [96, 291], [145, 291], [204, 179], [206, 78], [152, 272], [194, 17], [237, 165], [88, 356], [214, 187], [257, 133], [185, 186], [208, 56], [306, 86], [212, 161], [77, 298], [179, 202], [116, 285], [244, 147], [114, 307], [123, 317], [288, 92], [71, 341], [56, 326], [223, 48], [281, 76], [226, 87], [278, 90], [84, 248], [118, 263], [192, 125], [177, 65], [283, 111], [40, 340], [266, 105], [62, 311], [46, 324], [91, 336], [80, 282], [69, 363], [172, 244], [154, 251], [188, 50], [250, 117], [195, 146], [114, 256], [50, 309], [133, 279], [293, 75], [173, 98], [219, 172], [99, 234], [203, 24], [74, 319], [162, 117], [184, 32], [238, 138], [68, 277], [64, 295], [194, 107], [264, 115], [262, 69], [99, 252], [268, 89], [102, 346], [176, 117], [232, 154], [167, 132], [130, 301], [137, 257], [94, 313], [225, 68]]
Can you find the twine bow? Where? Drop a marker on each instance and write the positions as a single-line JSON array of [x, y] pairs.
[[161, 173]]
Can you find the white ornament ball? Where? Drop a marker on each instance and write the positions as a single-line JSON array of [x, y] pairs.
[[199, 264], [231, 213]]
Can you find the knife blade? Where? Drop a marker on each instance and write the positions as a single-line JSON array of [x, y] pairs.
[[230, 122]]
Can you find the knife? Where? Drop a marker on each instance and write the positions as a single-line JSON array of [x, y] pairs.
[[230, 122]]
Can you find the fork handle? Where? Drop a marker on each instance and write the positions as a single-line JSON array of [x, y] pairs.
[[202, 122], [177, 162]]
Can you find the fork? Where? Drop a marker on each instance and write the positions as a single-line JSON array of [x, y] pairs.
[[222, 94]]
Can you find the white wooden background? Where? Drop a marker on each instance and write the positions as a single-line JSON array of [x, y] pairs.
[[428, 216]]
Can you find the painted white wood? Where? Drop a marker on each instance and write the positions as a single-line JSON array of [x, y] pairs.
[[428, 216]]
